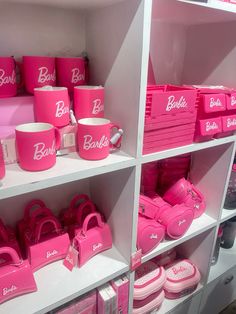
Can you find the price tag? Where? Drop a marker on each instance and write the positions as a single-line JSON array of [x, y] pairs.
[[136, 259], [71, 259]]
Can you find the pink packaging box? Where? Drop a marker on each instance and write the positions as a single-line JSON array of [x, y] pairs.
[[121, 287], [87, 303], [106, 300]]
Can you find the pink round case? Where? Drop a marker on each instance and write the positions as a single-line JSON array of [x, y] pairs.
[[152, 302]]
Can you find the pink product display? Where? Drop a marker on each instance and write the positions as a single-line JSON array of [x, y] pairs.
[[106, 300], [182, 278], [16, 277], [121, 288], [169, 118]]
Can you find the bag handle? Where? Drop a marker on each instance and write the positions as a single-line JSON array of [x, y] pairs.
[[28, 209], [12, 253], [76, 199], [87, 220], [88, 206], [3, 231], [42, 222]]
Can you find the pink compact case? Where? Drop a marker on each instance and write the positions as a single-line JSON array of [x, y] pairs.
[[182, 278], [152, 302]]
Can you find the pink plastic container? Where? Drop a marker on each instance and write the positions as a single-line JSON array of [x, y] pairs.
[[149, 278], [152, 302], [150, 234], [182, 278]]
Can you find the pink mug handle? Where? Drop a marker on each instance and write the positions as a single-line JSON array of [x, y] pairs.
[[12, 253], [43, 221], [79, 214], [40, 205], [88, 218], [57, 138], [3, 232]]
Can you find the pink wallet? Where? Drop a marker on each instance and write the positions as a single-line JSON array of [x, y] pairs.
[[182, 278]]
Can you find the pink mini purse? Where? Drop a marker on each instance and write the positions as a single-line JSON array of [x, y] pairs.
[[176, 219], [150, 234], [90, 242], [16, 278], [44, 248], [182, 278], [184, 192]]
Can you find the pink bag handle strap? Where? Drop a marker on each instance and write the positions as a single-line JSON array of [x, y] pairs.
[[12, 253], [88, 205], [3, 231], [30, 205], [87, 220], [76, 199], [43, 221]]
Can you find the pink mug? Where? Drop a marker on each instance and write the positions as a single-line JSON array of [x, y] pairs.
[[88, 101], [94, 138], [52, 105], [70, 72], [8, 85], [38, 71], [36, 145], [2, 163]]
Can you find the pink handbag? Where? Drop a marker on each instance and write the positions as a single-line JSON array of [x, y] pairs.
[[185, 192], [149, 278], [152, 302], [176, 219], [147, 207], [90, 242], [150, 234], [16, 278], [44, 248], [182, 278], [68, 215]]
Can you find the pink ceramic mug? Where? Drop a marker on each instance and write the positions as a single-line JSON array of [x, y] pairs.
[[8, 85], [38, 71], [70, 72], [89, 101], [94, 138], [52, 105], [36, 145]]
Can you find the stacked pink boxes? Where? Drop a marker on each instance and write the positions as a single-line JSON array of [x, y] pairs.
[[170, 117], [216, 113]]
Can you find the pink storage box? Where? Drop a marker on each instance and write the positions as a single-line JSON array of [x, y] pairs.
[[149, 278], [106, 300], [87, 303], [182, 278], [210, 103], [165, 146], [121, 287], [152, 302], [150, 234]]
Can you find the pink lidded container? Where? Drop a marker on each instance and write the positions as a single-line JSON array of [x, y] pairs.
[[152, 302], [182, 278]]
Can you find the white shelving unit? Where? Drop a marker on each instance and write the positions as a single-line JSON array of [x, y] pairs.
[[188, 42]]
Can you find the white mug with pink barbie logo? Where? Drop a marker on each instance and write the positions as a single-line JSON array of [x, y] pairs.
[[52, 105], [36, 145], [95, 140], [70, 72], [89, 101], [38, 71]]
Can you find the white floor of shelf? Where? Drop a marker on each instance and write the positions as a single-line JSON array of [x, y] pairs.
[[226, 260], [68, 168], [215, 4], [227, 214], [57, 285], [186, 149], [198, 226]]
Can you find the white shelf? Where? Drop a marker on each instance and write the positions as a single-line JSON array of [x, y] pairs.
[[57, 285], [226, 261], [67, 169], [215, 4], [187, 149], [227, 214], [198, 226]]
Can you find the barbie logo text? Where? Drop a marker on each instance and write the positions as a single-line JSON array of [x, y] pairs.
[[49, 254], [41, 151], [8, 290], [97, 106], [89, 143], [61, 109], [45, 76], [231, 122], [153, 236], [211, 126], [176, 104], [77, 76], [233, 101], [7, 79], [97, 246], [215, 103], [177, 270]]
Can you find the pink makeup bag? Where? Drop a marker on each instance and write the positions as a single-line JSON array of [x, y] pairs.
[[16, 278], [90, 242], [182, 278], [185, 192], [46, 247], [150, 234], [176, 219], [152, 302], [149, 278]]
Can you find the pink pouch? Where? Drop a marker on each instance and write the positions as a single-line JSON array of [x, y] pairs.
[[149, 278], [152, 302], [68, 215], [176, 220], [147, 207], [90, 242], [150, 234], [182, 278], [44, 248], [16, 278], [184, 192]]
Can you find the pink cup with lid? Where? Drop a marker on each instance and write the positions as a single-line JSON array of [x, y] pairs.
[[36, 145], [52, 105], [89, 101], [95, 140]]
